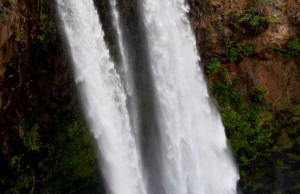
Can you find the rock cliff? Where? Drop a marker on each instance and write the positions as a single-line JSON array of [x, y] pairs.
[[45, 146], [250, 53]]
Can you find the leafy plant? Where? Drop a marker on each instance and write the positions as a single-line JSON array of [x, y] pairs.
[[296, 114], [32, 139], [291, 49], [12, 2], [237, 51], [47, 27], [251, 17], [258, 94], [20, 34], [15, 162], [3, 12], [213, 66]]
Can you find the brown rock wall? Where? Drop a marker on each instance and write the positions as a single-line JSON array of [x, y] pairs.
[[216, 21]]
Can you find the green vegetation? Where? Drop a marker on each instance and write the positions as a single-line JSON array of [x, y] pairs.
[[70, 160], [49, 147], [213, 66], [12, 2], [3, 12], [291, 49], [3, 15], [263, 135], [47, 28], [20, 34], [236, 51], [257, 94], [253, 20], [31, 139], [257, 135], [251, 17], [67, 159]]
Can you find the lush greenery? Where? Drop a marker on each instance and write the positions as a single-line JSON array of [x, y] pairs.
[[46, 147], [257, 134], [291, 49], [264, 136], [213, 66], [238, 50], [253, 18]]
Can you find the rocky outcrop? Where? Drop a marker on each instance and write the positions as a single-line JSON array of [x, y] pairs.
[[217, 21], [256, 86]]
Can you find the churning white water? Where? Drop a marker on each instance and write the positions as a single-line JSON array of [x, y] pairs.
[[103, 97], [196, 159]]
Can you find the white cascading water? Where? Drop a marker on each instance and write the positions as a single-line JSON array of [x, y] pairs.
[[196, 157], [102, 95], [124, 58], [127, 72]]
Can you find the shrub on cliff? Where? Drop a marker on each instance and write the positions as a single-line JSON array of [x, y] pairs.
[[213, 66], [236, 51], [291, 49]]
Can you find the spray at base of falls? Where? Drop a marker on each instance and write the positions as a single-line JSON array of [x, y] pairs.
[[196, 159], [103, 97]]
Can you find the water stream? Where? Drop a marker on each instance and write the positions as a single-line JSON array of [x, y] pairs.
[[102, 95], [196, 158], [190, 153]]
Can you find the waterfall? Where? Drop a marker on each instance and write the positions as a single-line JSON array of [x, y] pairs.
[[125, 64], [121, 44], [102, 95], [196, 159], [191, 153]]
